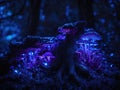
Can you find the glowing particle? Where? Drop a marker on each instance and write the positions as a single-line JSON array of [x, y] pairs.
[[20, 17], [111, 54], [30, 53], [111, 65], [16, 71], [46, 64], [9, 13], [10, 37]]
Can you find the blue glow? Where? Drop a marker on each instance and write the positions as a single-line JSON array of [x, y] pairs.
[[30, 53], [9, 13], [10, 37], [20, 16], [2, 8], [111, 65], [42, 16], [102, 20], [16, 71], [111, 54], [67, 11], [41, 61], [87, 49], [46, 64], [112, 5], [95, 13]]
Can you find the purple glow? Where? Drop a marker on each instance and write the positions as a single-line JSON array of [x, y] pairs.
[[47, 59], [29, 57], [61, 37], [40, 54], [87, 50], [50, 47], [67, 29], [90, 36]]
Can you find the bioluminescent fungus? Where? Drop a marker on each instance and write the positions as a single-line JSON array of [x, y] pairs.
[[68, 29], [33, 62], [47, 59], [87, 49], [50, 46], [90, 36], [38, 55], [29, 57], [61, 37]]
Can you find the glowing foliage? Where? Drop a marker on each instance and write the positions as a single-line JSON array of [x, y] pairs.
[[9, 30]]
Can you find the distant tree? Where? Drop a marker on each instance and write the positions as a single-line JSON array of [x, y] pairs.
[[86, 11], [34, 16]]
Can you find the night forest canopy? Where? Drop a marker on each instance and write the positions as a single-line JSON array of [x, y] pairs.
[[60, 44]]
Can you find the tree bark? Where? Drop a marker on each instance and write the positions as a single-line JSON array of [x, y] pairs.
[[34, 16]]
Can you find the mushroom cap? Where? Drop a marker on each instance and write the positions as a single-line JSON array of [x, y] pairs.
[[92, 36]]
